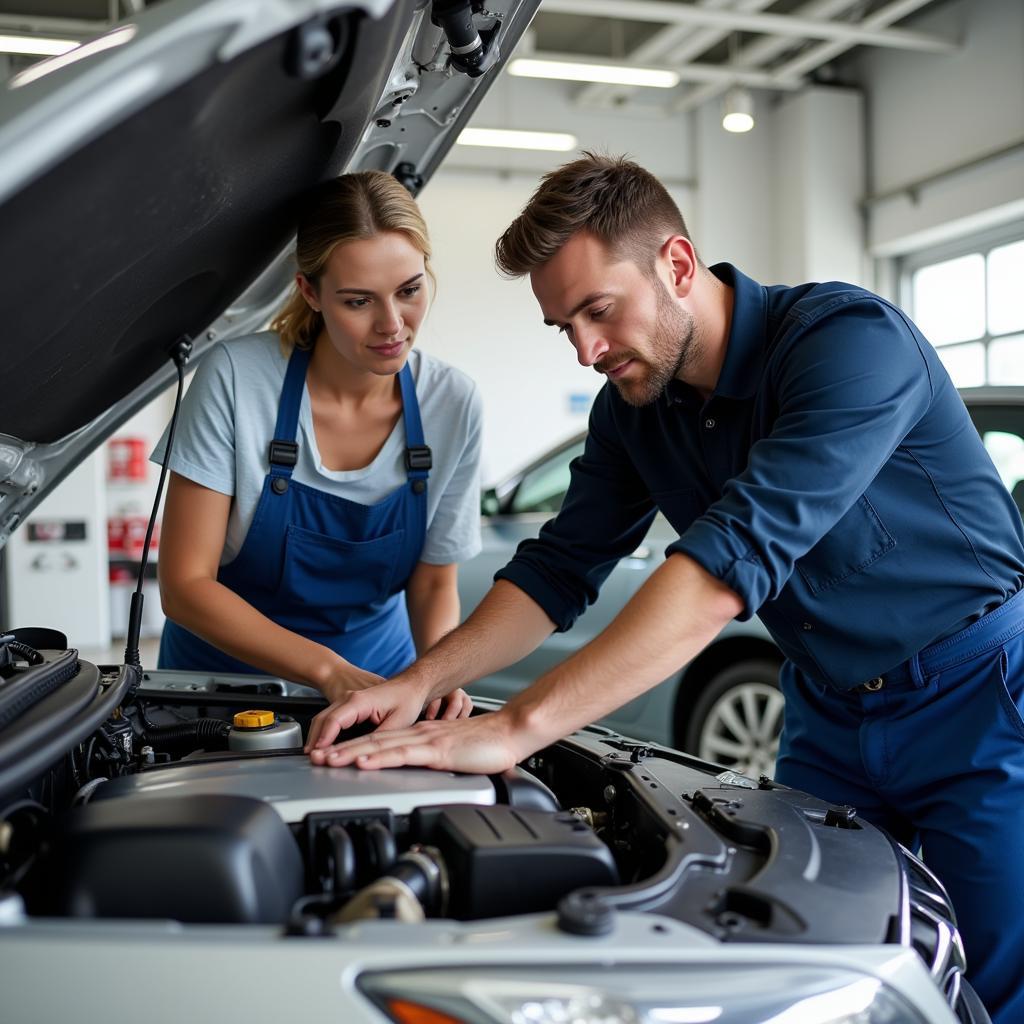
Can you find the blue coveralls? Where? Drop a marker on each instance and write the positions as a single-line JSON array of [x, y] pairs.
[[834, 481], [327, 568], [933, 752]]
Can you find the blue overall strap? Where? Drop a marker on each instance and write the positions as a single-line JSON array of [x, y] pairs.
[[418, 459], [284, 452]]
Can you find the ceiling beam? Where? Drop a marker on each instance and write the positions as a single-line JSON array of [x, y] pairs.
[[806, 62], [822, 54], [673, 45], [759, 52], [769, 24], [71, 28]]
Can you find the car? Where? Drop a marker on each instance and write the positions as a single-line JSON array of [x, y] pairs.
[[725, 705], [165, 848]]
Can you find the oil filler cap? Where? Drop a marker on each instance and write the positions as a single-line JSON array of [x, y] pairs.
[[253, 719]]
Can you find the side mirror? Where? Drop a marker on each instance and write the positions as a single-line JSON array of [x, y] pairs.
[[489, 503]]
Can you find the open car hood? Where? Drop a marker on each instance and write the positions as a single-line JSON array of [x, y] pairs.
[[147, 191]]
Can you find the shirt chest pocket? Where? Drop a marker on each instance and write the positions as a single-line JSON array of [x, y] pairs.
[[855, 542]]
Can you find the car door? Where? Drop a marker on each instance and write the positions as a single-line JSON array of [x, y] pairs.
[[999, 419]]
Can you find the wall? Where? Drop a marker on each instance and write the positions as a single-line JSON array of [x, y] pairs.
[[734, 216], [931, 113]]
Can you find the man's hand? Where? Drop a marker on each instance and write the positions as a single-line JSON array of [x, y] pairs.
[[389, 705], [482, 745]]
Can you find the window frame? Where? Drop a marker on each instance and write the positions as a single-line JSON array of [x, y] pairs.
[[982, 242]]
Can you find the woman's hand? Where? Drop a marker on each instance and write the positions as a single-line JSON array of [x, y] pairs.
[[345, 678], [389, 705], [457, 704]]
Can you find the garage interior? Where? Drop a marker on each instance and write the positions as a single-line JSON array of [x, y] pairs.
[[649, 867], [868, 161]]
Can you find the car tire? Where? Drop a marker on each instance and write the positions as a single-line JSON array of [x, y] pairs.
[[737, 718]]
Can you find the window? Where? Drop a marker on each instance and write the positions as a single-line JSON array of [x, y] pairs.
[[543, 487], [969, 302]]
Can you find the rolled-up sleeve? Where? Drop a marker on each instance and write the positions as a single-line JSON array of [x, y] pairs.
[[605, 515], [851, 383]]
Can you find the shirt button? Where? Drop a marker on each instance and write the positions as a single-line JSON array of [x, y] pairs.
[[709, 423], [807, 627]]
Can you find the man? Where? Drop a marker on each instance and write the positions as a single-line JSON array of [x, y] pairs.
[[823, 473]]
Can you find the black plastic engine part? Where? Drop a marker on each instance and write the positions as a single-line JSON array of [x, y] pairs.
[[585, 913], [507, 860], [208, 733], [226, 859], [518, 788]]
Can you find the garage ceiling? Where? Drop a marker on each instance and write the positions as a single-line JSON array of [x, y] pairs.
[[712, 44]]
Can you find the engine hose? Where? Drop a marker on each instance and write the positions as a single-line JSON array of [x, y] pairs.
[[380, 847], [337, 858], [199, 732]]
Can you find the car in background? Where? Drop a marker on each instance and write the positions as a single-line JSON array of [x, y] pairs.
[[725, 705]]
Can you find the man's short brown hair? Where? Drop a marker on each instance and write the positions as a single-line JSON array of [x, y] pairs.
[[626, 207]]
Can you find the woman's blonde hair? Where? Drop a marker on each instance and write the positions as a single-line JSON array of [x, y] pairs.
[[346, 209]]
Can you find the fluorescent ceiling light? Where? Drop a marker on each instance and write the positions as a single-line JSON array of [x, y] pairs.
[[116, 37], [612, 74], [36, 46], [738, 110], [557, 142]]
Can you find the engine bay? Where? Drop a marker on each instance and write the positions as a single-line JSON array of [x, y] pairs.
[[169, 796]]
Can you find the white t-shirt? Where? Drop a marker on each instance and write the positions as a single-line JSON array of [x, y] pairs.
[[226, 424]]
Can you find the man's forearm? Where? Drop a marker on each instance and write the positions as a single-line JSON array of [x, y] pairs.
[[506, 626], [676, 613]]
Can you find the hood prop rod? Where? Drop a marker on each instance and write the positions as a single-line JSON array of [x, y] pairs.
[[180, 352]]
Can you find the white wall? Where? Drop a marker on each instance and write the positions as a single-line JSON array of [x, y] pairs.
[[734, 216], [491, 328], [930, 112], [819, 182], [61, 582]]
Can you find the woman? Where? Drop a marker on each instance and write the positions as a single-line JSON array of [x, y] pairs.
[[324, 474]]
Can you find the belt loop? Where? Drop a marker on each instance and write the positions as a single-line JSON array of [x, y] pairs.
[[915, 671]]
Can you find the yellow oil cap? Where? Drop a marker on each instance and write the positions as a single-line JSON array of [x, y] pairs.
[[253, 719]]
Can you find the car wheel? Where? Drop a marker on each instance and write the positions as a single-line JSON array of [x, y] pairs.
[[737, 719]]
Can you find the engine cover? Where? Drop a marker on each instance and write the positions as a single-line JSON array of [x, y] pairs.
[[294, 788]]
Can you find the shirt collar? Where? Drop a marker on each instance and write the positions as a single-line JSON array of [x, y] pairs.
[[744, 354]]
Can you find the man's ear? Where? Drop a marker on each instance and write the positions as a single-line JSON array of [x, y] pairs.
[[680, 258], [307, 291]]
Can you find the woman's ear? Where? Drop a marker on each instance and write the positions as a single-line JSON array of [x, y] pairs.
[[307, 291]]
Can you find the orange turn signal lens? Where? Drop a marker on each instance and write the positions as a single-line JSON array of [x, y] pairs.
[[413, 1013]]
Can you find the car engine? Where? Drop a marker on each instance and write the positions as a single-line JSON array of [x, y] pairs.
[[184, 798]]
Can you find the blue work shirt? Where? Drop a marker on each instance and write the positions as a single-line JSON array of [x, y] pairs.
[[834, 480]]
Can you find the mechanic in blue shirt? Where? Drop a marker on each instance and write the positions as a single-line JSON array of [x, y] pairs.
[[822, 473]]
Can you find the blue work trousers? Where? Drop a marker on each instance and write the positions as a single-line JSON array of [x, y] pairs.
[[935, 755]]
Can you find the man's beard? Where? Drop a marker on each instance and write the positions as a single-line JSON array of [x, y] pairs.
[[671, 349]]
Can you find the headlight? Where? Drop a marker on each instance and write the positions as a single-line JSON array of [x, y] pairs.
[[663, 995]]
